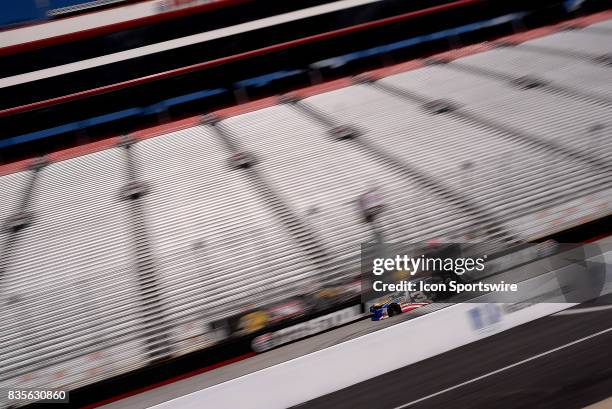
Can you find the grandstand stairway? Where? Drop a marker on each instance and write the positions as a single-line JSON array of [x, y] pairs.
[[154, 322], [21, 217]]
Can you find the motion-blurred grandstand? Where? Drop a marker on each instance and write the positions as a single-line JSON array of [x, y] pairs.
[[195, 173]]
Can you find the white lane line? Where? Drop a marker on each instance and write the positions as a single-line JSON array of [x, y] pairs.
[[505, 368], [584, 310]]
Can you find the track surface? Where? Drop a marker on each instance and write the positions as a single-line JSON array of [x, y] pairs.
[[225, 373], [574, 376], [435, 374]]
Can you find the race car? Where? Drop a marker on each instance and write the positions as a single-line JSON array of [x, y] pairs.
[[397, 303], [388, 310], [404, 301]]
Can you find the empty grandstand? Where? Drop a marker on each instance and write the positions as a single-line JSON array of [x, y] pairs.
[[129, 251]]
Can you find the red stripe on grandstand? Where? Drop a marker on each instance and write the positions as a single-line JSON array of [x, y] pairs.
[[111, 28], [304, 92], [238, 57], [169, 381]]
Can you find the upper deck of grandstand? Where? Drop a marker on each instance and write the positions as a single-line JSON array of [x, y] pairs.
[[218, 33], [63, 107]]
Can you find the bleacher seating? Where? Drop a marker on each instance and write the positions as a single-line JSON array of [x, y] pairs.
[[536, 112], [504, 177], [558, 69], [309, 167], [211, 232], [68, 284]]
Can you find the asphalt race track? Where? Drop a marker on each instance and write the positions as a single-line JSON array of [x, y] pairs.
[[582, 372], [568, 364]]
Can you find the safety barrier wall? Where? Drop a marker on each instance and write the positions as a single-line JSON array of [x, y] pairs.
[[380, 352]]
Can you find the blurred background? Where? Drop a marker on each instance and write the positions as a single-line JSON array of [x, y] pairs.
[[186, 184]]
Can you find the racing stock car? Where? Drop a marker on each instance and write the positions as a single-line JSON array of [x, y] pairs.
[[395, 303], [403, 301], [399, 302], [395, 306]]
